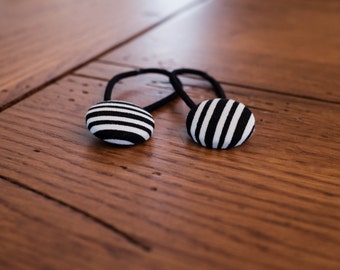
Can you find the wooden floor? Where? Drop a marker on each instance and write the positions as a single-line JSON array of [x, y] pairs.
[[68, 201]]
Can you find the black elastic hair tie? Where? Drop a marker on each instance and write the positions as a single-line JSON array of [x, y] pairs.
[[218, 123], [124, 123], [151, 107], [215, 84]]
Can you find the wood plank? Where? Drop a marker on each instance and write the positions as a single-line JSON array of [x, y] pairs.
[[40, 40], [39, 233], [271, 203], [287, 46]]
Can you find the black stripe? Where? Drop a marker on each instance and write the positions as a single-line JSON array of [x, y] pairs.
[[134, 108], [250, 133], [240, 127], [122, 123], [120, 135], [190, 118], [213, 121], [119, 114], [116, 102], [201, 119], [227, 124]]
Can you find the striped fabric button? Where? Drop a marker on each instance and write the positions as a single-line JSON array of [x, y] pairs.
[[220, 123], [120, 122]]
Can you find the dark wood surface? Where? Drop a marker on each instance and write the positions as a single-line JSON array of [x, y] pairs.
[[41, 40], [68, 201], [290, 46], [38, 232]]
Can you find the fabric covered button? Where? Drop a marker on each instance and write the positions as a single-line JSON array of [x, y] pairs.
[[220, 123], [120, 122]]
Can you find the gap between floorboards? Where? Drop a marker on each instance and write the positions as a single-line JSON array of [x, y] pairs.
[[37, 89], [108, 226], [267, 90]]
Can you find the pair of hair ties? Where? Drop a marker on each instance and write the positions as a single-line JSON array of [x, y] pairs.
[[219, 123]]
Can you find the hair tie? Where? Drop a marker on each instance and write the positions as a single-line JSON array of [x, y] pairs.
[[218, 123], [121, 122]]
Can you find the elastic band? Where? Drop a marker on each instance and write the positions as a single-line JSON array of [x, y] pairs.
[[174, 82], [179, 86]]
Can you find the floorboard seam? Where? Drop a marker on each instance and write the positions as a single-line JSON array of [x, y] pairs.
[[90, 77], [116, 46], [267, 90], [273, 91], [109, 226]]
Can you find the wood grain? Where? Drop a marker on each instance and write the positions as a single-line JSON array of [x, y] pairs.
[[282, 46], [39, 233], [271, 203], [68, 200], [40, 40]]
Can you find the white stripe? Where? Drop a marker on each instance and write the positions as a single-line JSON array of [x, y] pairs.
[[121, 110], [247, 130], [114, 103], [196, 118], [233, 125], [206, 120], [120, 104], [119, 142], [118, 118], [134, 130], [221, 123]]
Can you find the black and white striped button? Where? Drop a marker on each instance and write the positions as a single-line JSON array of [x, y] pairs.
[[120, 122], [220, 123]]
